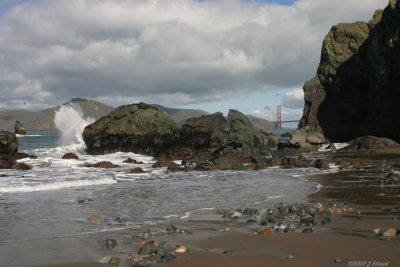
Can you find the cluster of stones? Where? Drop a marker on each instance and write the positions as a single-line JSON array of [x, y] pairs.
[[150, 251], [284, 217]]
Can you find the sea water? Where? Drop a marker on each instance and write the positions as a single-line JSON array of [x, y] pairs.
[[55, 198]]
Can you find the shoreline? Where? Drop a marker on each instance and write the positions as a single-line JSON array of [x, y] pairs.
[[348, 239]]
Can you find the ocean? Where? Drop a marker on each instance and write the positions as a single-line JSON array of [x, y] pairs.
[[55, 198]]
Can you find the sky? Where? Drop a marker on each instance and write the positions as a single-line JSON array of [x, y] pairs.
[[209, 54]]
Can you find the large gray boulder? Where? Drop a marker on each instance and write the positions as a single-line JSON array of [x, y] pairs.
[[216, 135], [8, 149], [138, 128], [231, 143], [307, 135]]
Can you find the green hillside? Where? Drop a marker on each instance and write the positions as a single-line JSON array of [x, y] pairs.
[[44, 119], [260, 123], [180, 115]]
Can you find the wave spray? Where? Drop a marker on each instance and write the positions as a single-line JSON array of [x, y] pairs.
[[70, 121]]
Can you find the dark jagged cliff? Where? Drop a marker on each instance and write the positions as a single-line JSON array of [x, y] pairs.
[[356, 90]]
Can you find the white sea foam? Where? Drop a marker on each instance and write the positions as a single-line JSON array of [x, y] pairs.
[[269, 198], [28, 135], [324, 148], [24, 188], [70, 121]]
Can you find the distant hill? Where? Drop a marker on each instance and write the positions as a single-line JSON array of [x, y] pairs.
[[260, 123], [44, 119], [180, 115]]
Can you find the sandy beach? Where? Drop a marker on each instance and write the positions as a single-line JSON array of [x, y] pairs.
[[353, 237]]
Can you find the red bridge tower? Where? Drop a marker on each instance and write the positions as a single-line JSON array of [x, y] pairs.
[[278, 117]]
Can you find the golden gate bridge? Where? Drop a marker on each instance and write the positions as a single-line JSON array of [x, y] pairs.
[[279, 121]]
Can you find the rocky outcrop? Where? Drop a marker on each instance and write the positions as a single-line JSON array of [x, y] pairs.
[[102, 164], [370, 142], [138, 128], [356, 89], [8, 149], [306, 135], [21, 166], [215, 135], [70, 155], [206, 142], [19, 128], [137, 170]]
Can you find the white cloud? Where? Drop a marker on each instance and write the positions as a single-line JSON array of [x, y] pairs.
[[268, 107], [170, 52], [293, 99]]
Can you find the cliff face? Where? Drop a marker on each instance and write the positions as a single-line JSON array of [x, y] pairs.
[[356, 90]]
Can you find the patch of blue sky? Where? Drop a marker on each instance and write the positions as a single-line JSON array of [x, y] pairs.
[[7, 5]]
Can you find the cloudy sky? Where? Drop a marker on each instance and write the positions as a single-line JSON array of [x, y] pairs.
[[209, 54]]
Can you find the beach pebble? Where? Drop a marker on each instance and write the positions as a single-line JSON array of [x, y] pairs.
[[105, 259], [147, 234], [264, 231], [337, 260], [95, 218], [110, 243], [377, 231], [147, 250], [171, 229], [181, 250], [153, 259], [136, 259], [278, 229], [114, 261], [391, 232], [84, 200], [307, 230], [290, 228], [290, 257], [161, 252], [227, 229], [335, 210]]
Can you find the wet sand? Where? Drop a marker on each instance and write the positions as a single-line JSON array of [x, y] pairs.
[[349, 238], [317, 249]]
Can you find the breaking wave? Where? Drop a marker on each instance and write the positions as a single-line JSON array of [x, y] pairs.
[[70, 121]]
